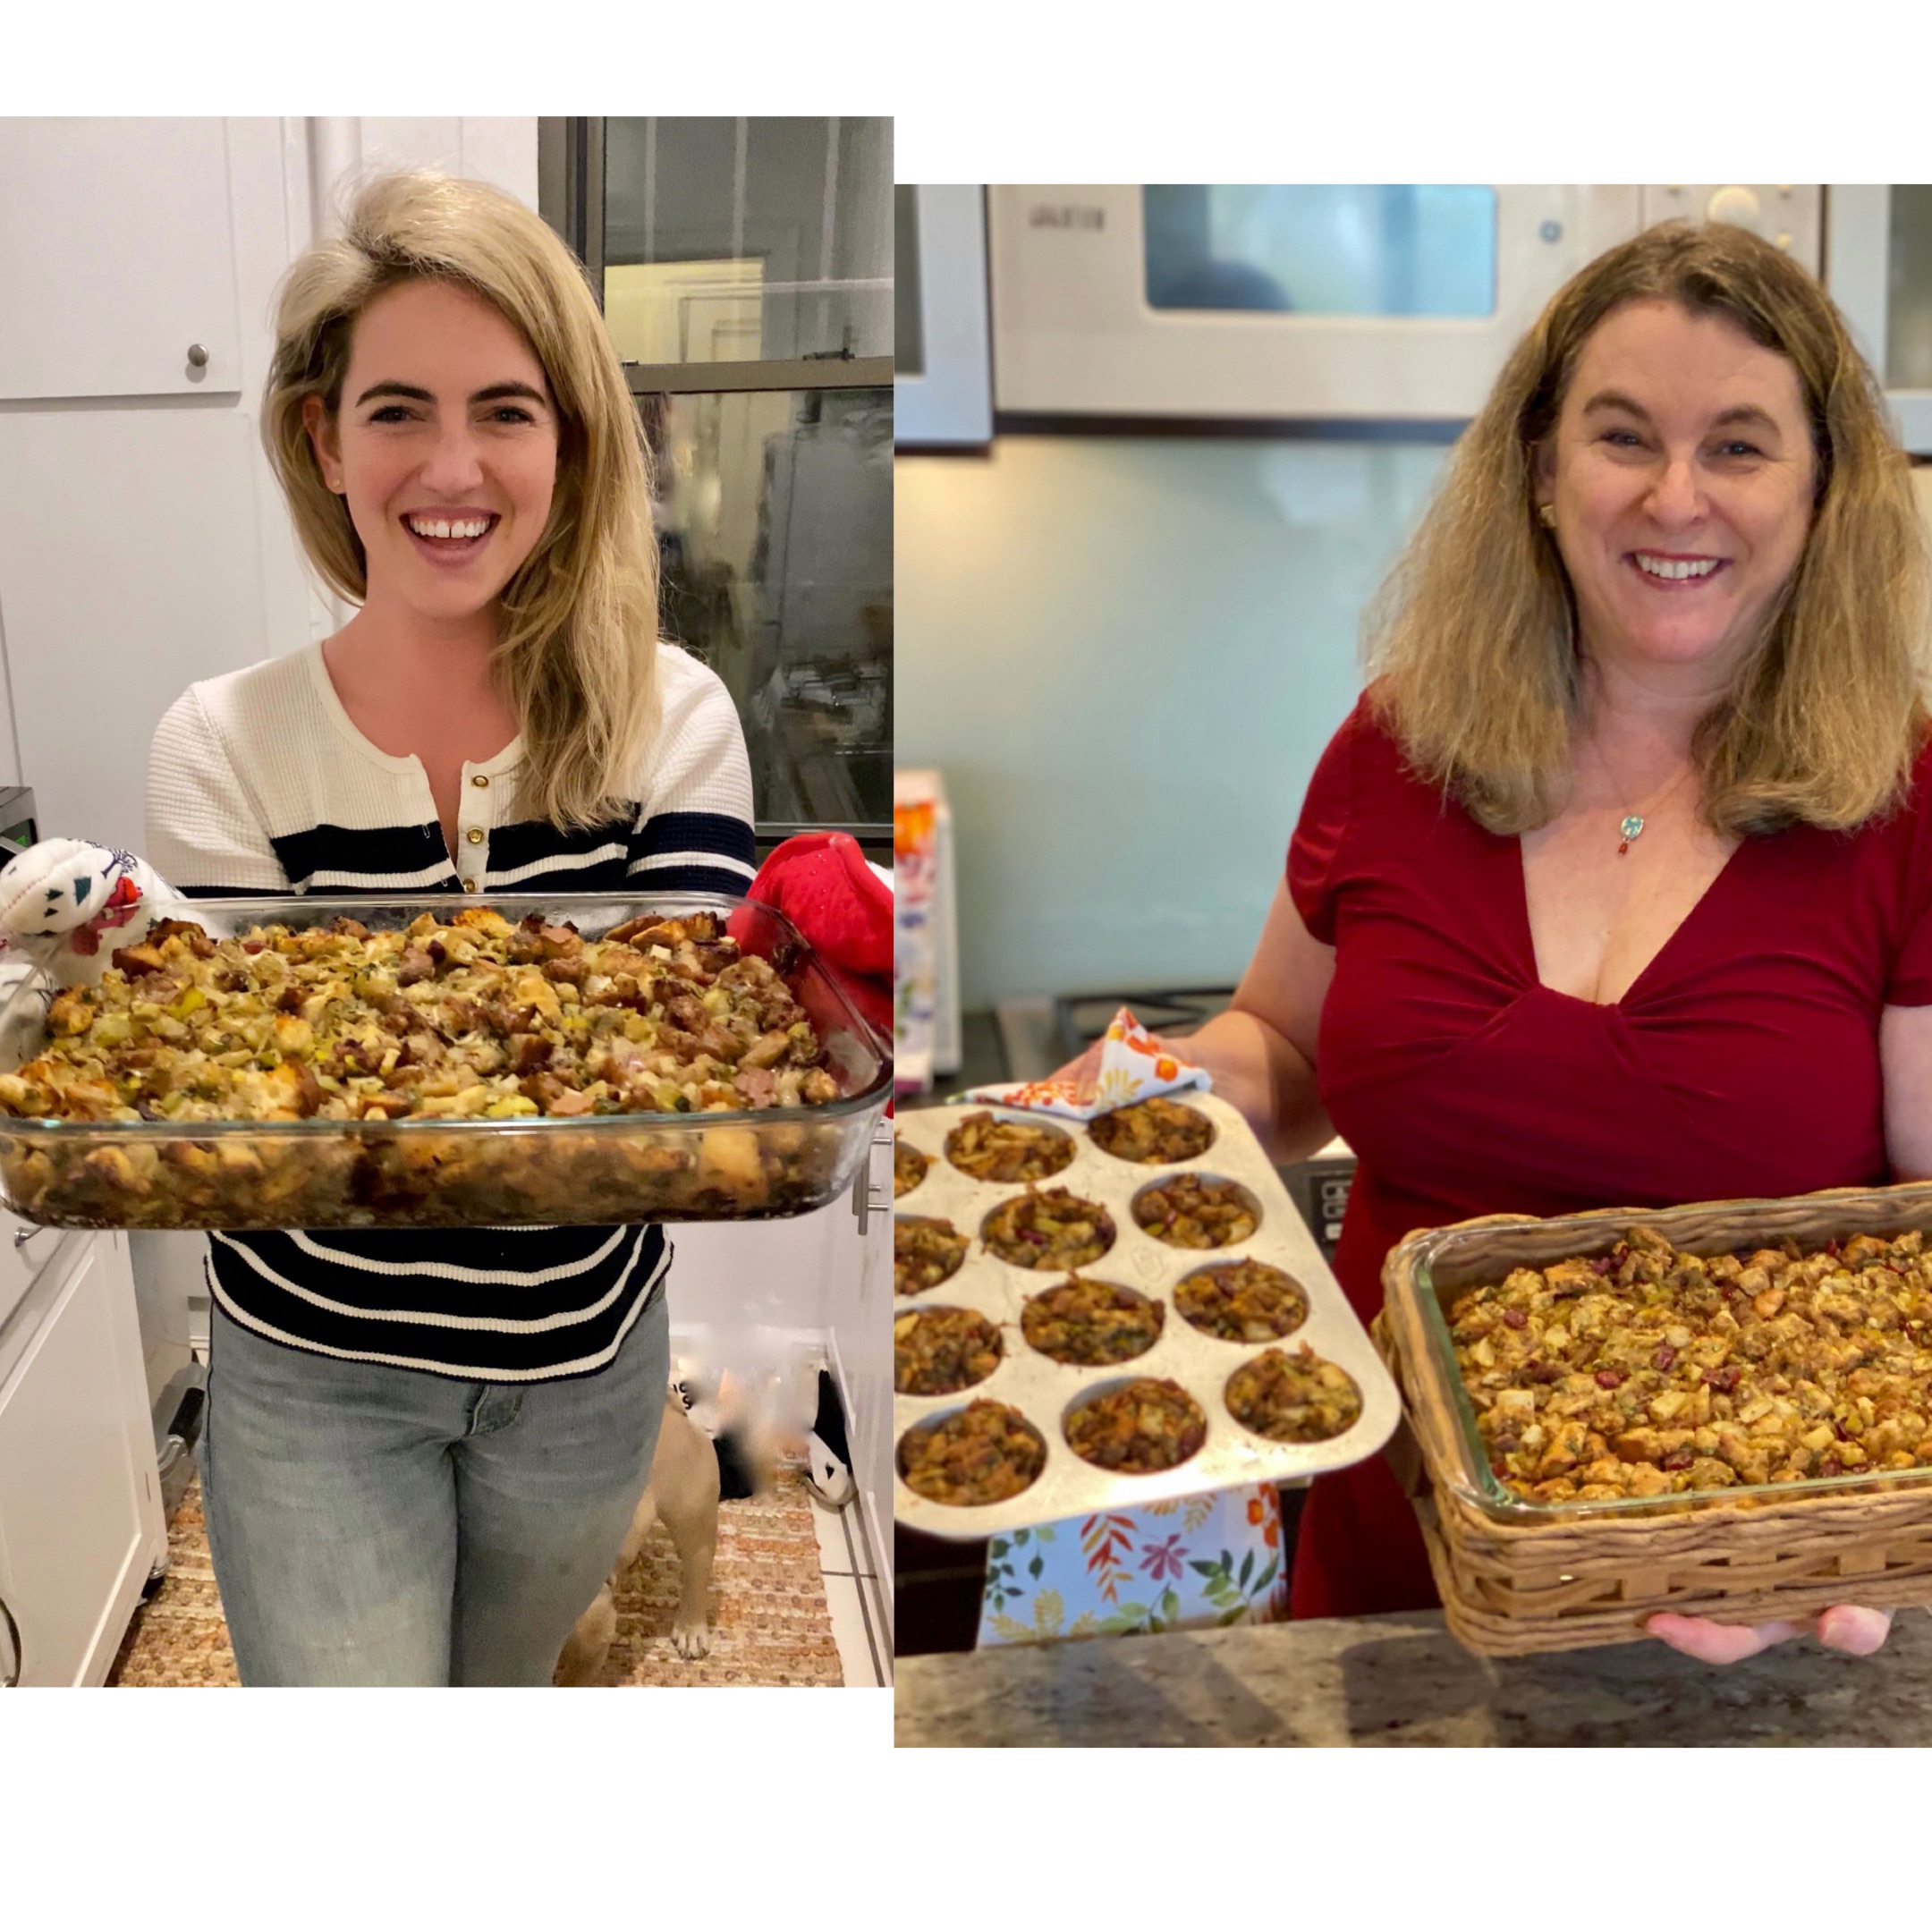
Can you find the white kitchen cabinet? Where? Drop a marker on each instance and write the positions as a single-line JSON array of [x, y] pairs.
[[80, 1519], [858, 1325], [105, 574], [118, 253]]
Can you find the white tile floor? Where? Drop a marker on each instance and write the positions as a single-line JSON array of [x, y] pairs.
[[853, 1593]]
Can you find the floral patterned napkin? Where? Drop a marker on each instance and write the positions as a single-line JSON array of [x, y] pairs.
[[1192, 1563], [1132, 1067]]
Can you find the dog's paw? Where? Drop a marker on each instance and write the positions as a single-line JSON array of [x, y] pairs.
[[693, 1640]]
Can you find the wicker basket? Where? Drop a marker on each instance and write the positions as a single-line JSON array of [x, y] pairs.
[[1567, 1576]]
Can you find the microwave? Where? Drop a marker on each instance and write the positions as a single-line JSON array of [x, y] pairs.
[[1321, 303]]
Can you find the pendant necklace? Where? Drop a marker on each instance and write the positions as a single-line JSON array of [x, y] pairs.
[[1632, 827]]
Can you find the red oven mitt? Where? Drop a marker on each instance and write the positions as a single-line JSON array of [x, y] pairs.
[[821, 882]]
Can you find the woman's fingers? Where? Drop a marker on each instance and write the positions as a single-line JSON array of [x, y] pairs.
[[1857, 1632], [1845, 1627], [1721, 1643]]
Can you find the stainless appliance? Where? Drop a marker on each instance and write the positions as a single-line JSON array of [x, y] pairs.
[[1387, 302], [18, 829]]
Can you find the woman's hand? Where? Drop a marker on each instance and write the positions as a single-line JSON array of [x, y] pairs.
[[1845, 1627]]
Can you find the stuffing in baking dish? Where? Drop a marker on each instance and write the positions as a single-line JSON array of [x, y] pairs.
[[1647, 1371], [1048, 1229], [940, 1350], [1143, 1426], [1192, 1211], [983, 1453], [1241, 1302], [926, 1251], [909, 1168], [1157, 1130], [1295, 1397], [1090, 1323], [477, 1019], [990, 1148], [469, 1019]]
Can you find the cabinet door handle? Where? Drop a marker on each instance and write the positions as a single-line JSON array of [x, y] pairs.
[[865, 1199], [12, 1681], [22, 1236]]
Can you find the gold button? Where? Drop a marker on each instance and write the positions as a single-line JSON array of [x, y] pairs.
[[469, 884], [478, 779], [475, 834]]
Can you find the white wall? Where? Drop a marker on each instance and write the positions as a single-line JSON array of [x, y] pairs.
[[1126, 656]]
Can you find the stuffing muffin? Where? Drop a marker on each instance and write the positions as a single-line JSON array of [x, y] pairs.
[[1154, 1130], [1647, 1371], [1048, 1230], [984, 1453], [1243, 1302], [940, 1350], [1192, 1211], [992, 1149], [909, 1167], [1292, 1398], [1091, 1323], [926, 1251], [1143, 1427]]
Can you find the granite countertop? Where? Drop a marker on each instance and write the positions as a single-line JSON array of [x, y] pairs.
[[1404, 1679]]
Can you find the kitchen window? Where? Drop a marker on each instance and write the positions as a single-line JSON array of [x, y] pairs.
[[745, 269]]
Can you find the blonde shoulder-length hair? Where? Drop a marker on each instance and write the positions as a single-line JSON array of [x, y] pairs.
[[1472, 639], [576, 655]]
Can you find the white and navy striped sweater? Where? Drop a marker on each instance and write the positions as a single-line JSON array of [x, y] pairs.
[[259, 783]]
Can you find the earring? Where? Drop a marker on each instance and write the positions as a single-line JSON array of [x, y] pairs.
[[1548, 514]]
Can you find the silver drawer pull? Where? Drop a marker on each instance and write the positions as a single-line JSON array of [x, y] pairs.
[[23, 1235]]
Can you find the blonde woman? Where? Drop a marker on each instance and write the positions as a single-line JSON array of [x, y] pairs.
[[423, 1450], [1617, 886]]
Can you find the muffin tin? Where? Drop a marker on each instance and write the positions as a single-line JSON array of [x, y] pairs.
[[1044, 1390]]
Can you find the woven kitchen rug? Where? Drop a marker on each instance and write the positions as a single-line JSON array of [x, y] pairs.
[[770, 1624]]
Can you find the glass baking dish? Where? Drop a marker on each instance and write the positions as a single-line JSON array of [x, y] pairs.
[[1448, 1262], [748, 1164]]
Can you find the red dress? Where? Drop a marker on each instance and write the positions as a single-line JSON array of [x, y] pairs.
[[1744, 1060]]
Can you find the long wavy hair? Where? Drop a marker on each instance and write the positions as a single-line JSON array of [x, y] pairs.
[[576, 652], [1472, 639]]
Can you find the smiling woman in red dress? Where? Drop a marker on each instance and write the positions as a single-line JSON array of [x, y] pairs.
[[1614, 886]]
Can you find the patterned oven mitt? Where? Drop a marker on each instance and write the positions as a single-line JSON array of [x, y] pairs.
[[62, 898]]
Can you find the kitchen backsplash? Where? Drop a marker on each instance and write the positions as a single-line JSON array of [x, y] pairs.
[[1126, 657]]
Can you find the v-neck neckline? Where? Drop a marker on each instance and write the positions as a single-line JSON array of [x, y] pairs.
[[1526, 934]]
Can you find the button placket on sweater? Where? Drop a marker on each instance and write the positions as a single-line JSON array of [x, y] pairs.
[[474, 820]]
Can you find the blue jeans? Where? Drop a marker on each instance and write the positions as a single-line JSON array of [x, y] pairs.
[[372, 1525]]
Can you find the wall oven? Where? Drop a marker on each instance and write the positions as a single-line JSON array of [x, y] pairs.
[[1396, 304]]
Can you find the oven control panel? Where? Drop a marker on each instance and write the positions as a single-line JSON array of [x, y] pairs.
[[1790, 214]]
